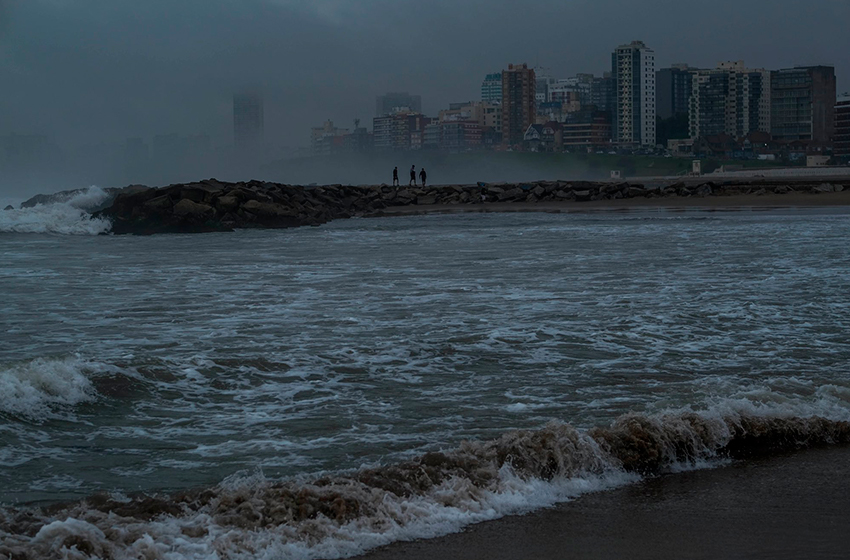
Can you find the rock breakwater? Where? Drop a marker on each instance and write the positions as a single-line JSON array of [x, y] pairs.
[[213, 205]]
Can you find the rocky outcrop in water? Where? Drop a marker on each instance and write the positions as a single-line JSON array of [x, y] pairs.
[[99, 203], [213, 205]]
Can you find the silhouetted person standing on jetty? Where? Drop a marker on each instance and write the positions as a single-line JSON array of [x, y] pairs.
[[412, 176], [422, 176], [395, 177]]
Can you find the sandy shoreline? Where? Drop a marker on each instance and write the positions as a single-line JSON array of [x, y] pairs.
[[731, 202], [788, 507]]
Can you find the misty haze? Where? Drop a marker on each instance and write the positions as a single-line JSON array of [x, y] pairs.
[[128, 92]]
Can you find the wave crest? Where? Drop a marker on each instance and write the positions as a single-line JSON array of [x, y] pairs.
[[37, 389], [65, 215], [431, 495]]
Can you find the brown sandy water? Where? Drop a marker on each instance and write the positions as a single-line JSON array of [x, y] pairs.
[[789, 507]]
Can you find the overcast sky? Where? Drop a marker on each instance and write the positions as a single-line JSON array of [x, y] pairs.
[[84, 71]]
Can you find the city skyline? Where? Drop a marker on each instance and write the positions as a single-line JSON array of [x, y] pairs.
[[166, 76]]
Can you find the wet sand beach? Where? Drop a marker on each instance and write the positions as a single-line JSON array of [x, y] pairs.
[[790, 507]]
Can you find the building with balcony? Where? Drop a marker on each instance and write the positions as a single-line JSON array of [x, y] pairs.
[[460, 135], [803, 103], [603, 93], [841, 135], [382, 132], [673, 90], [518, 103], [633, 71], [730, 100], [326, 138], [589, 128], [399, 131], [491, 88]]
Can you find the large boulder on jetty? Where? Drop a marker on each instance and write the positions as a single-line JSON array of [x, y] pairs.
[[193, 211], [704, 190]]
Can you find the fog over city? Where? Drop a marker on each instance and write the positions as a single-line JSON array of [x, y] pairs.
[[88, 76]]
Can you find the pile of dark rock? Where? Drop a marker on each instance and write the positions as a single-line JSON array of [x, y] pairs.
[[213, 205]]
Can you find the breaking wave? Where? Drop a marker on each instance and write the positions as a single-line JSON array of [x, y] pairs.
[[249, 516], [64, 214], [41, 388]]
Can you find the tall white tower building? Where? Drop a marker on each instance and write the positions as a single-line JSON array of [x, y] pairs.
[[633, 71]]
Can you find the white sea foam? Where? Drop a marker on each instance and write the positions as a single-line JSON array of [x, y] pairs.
[[39, 388], [69, 216], [249, 516], [446, 509]]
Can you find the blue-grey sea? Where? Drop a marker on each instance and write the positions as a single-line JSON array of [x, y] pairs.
[[258, 368]]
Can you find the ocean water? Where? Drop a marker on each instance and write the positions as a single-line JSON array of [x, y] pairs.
[[316, 392]]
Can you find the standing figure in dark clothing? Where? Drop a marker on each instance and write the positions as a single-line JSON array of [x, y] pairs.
[[422, 176], [395, 177], [412, 176]]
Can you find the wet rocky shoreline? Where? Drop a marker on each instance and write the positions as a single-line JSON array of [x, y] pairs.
[[213, 205]]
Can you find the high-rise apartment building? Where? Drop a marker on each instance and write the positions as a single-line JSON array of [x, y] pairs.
[[382, 132], [577, 89], [542, 83], [323, 138], [395, 102], [730, 99], [841, 135], [488, 117], [603, 93], [248, 121], [402, 130], [673, 91], [803, 104], [491, 88], [633, 70], [518, 103], [707, 113]]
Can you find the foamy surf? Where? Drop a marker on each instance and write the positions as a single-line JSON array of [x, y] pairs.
[[67, 215], [42, 388], [336, 516]]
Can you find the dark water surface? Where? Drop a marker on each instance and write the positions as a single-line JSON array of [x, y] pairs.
[[236, 361]]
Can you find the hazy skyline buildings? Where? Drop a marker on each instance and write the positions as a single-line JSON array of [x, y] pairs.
[[491, 88], [164, 68], [248, 121], [394, 102], [83, 75]]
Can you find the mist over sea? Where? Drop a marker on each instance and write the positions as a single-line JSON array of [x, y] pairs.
[[317, 392]]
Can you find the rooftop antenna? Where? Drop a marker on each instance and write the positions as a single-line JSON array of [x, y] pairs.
[[356, 124]]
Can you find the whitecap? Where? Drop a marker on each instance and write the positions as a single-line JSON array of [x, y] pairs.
[[38, 388], [69, 216]]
